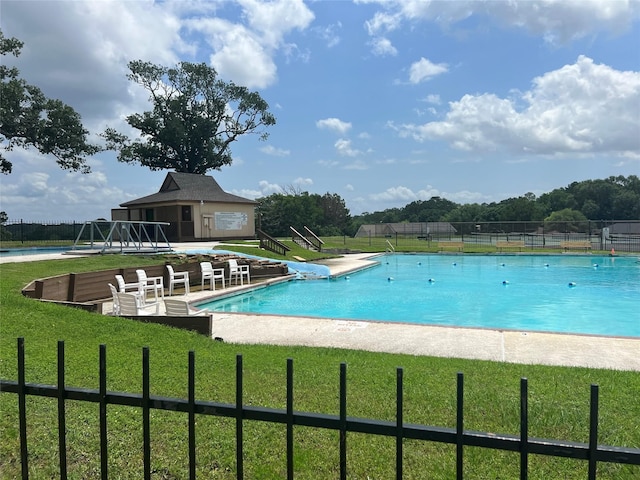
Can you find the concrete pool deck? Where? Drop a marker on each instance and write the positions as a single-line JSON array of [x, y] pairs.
[[524, 347]]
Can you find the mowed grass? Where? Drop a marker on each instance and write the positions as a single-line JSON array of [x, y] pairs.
[[558, 399]]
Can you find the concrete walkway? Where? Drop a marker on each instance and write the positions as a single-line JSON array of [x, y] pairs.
[[620, 353]]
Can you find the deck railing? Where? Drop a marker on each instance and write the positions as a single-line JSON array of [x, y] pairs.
[[271, 244], [591, 452]]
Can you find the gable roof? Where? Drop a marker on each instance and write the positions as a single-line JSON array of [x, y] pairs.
[[188, 187]]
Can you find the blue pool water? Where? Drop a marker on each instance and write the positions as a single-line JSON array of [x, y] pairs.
[[12, 252], [564, 293]]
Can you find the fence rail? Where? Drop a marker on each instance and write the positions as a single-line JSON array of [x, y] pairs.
[[591, 452]]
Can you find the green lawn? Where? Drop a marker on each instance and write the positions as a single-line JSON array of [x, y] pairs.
[[558, 399]]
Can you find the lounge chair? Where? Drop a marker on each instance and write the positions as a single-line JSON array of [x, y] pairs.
[[177, 278], [129, 305], [238, 272], [150, 284], [211, 274]]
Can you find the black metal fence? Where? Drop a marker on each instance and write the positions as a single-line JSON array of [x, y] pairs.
[[591, 452], [51, 231], [621, 235]]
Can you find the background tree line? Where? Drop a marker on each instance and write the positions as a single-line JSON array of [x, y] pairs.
[[613, 198]]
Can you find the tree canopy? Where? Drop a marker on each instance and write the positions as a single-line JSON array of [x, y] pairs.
[[324, 214], [613, 198], [195, 118], [29, 119]]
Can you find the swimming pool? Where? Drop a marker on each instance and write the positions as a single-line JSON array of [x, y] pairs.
[[564, 293]]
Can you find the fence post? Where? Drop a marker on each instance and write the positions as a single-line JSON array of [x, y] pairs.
[[22, 410], [239, 460], [62, 424], [103, 412], [290, 418], [399, 423], [524, 429], [343, 421], [460, 427], [146, 428], [192, 414], [593, 432]]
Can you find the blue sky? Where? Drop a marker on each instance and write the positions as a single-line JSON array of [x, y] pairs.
[[383, 103]]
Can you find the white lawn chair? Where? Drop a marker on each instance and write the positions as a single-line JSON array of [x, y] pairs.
[[177, 278], [150, 284], [116, 303], [238, 272], [133, 288], [211, 274], [126, 287], [129, 305]]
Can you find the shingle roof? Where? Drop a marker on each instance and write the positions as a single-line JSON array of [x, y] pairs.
[[188, 187]]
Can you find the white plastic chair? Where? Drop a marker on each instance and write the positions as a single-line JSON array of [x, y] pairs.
[[238, 272], [177, 278], [150, 284], [211, 274], [116, 303], [129, 305], [124, 287], [133, 287]]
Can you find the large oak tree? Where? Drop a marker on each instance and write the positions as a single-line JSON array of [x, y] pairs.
[[29, 119], [195, 118]]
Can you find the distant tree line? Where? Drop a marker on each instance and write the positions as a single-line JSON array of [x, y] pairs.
[[613, 198]]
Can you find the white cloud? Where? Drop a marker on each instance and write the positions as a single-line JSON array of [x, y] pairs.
[[274, 19], [244, 52], [558, 21], [579, 108], [238, 53], [357, 165], [268, 188], [434, 99], [302, 182], [76, 196], [423, 69], [276, 152], [382, 47], [401, 195], [343, 146], [395, 193], [329, 35], [334, 124], [383, 22]]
